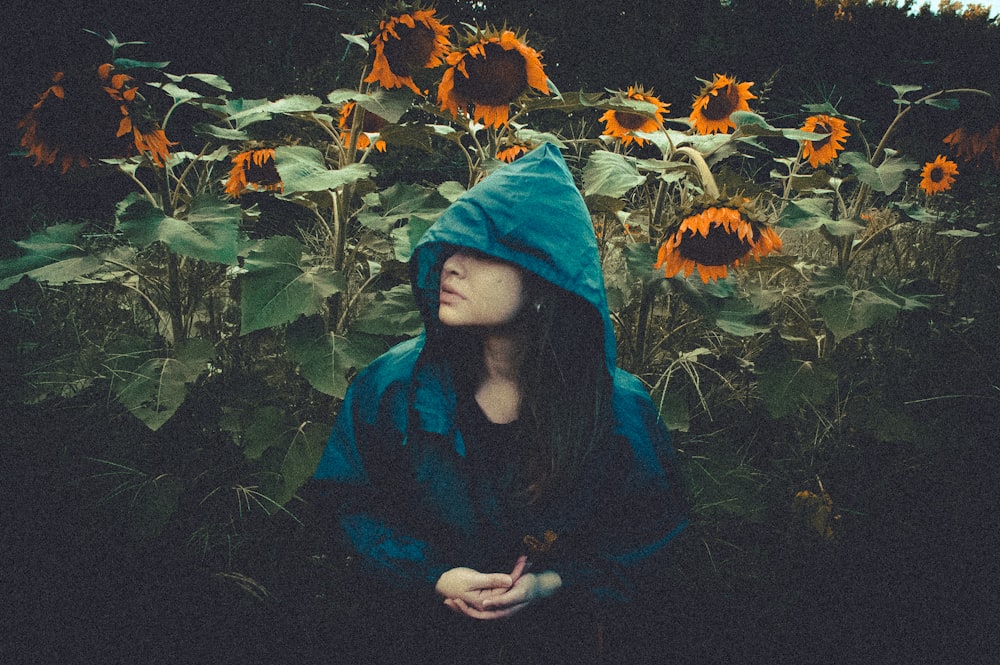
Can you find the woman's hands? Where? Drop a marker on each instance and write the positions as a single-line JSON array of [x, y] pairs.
[[495, 595]]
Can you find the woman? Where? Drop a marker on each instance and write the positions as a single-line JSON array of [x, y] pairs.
[[501, 459]]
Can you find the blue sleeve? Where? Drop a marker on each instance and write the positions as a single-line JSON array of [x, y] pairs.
[[365, 471], [640, 509]]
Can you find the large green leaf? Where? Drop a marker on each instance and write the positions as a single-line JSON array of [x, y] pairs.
[[393, 313], [610, 174], [404, 239], [847, 312], [887, 177], [787, 383], [280, 285], [304, 169], [209, 230], [300, 460], [390, 206], [154, 390], [51, 256], [324, 358], [814, 213]]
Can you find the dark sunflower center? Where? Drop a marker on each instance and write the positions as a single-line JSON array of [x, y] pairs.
[[719, 248], [723, 103], [629, 121], [411, 51], [822, 127], [371, 124], [263, 174], [494, 80], [84, 122], [937, 174]]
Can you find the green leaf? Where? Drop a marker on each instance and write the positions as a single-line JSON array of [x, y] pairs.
[[304, 169], [787, 383], [154, 390], [209, 230], [916, 212], [399, 202], [848, 312], [290, 104], [886, 178], [393, 313], [960, 233], [324, 358], [387, 104], [406, 238], [223, 133], [610, 174], [813, 213], [300, 460], [280, 285], [50, 256], [213, 80]]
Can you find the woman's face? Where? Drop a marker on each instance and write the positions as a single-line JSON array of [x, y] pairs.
[[478, 290]]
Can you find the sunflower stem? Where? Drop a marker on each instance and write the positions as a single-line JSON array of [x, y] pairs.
[[704, 173]]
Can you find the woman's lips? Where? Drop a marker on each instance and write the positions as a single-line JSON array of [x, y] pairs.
[[449, 295]]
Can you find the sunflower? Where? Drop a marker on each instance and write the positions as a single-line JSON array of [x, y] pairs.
[[624, 124], [88, 116], [370, 124], [824, 150], [405, 43], [717, 101], [938, 176], [489, 75], [712, 240], [971, 145], [254, 170]]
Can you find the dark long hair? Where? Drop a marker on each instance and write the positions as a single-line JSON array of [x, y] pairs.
[[566, 413]]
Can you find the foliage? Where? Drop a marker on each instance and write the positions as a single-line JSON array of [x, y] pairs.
[[264, 305]]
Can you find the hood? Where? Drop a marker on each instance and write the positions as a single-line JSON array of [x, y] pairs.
[[529, 213]]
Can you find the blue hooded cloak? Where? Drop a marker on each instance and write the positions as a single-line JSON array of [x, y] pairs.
[[397, 458]]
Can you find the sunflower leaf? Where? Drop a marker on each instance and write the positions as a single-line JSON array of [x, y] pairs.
[[392, 313], [208, 231], [290, 104], [610, 174], [303, 169], [400, 202], [280, 285], [51, 256], [324, 358], [154, 390], [886, 178], [386, 104], [359, 40]]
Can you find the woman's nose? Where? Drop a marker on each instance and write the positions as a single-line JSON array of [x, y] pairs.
[[452, 265]]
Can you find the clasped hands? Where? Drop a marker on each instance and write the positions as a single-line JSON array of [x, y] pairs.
[[495, 595]]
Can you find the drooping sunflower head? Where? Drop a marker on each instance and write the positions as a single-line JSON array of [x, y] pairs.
[[492, 71], [646, 117], [938, 176], [971, 145], [718, 100], [253, 170], [407, 41], [88, 115], [822, 151], [370, 124], [714, 238]]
